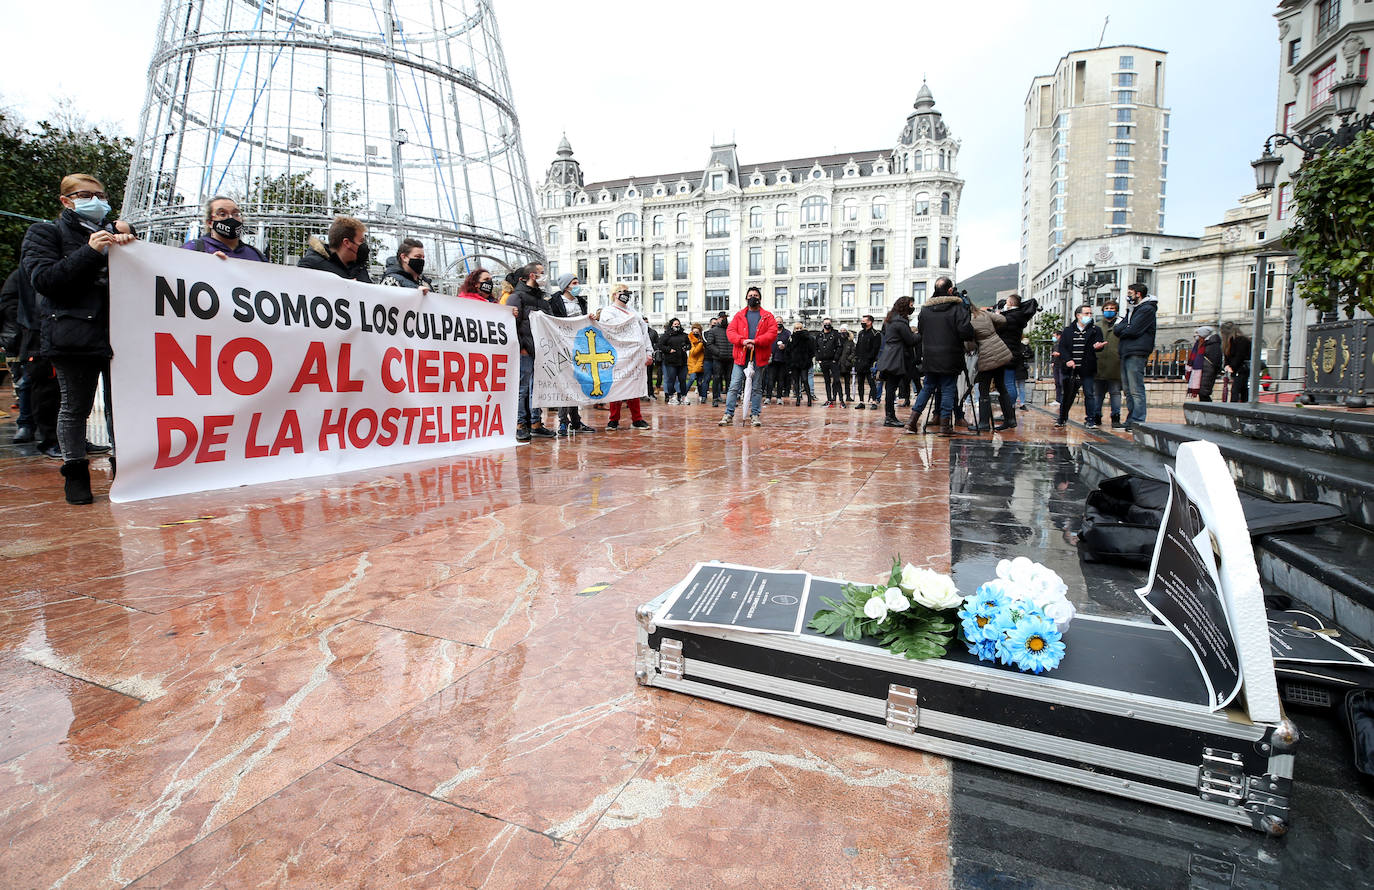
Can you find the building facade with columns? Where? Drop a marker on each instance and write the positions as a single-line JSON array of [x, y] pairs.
[[839, 236], [1096, 152], [1215, 281]]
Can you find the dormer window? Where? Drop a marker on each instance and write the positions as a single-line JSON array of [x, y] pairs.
[[631, 193], [717, 182], [756, 179], [817, 173]]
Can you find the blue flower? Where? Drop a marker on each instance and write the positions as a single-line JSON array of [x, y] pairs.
[[989, 597], [1032, 644], [986, 650]]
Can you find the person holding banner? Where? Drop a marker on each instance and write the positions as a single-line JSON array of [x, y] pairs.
[[223, 233], [751, 332], [617, 311], [67, 262], [528, 299], [345, 254], [568, 302], [406, 268], [478, 286]]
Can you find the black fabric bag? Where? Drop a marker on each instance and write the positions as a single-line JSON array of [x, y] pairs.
[[1358, 715], [1121, 520]]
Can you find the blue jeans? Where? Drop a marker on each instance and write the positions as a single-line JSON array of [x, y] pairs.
[[1009, 383], [522, 409], [1133, 387], [947, 384], [674, 380], [737, 387], [704, 378], [1100, 392]]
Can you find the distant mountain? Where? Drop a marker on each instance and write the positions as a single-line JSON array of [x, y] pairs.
[[983, 287]]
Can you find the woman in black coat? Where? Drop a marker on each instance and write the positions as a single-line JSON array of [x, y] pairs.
[[801, 352], [68, 263], [674, 344], [898, 361]]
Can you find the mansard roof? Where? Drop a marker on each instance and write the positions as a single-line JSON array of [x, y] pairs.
[[833, 165]]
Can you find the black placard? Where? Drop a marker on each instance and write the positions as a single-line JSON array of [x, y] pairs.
[[1185, 593], [739, 597]]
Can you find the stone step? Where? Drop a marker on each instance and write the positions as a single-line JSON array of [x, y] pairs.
[[1325, 569], [1280, 472], [1316, 429]]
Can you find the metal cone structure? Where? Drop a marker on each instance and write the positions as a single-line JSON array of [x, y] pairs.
[[397, 112]]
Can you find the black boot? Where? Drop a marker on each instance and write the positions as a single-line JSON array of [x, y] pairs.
[[78, 485], [891, 420]]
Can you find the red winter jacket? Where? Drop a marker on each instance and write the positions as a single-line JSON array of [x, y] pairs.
[[764, 336]]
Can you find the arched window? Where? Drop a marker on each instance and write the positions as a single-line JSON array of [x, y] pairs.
[[930, 159], [682, 224], [581, 231], [552, 236], [603, 231], [942, 159], [851, 209], [781, 214], [944, 204], [916, 165], [879, 208], [626, 225], [755, 217], [922, 205], [815, 209], [658, 226], [717, 223]]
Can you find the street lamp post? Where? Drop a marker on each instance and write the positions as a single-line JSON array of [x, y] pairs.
[[1345, 93]]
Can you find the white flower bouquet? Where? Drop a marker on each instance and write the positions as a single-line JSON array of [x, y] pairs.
[[911, 612]]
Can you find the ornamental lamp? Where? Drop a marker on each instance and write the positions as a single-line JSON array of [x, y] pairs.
[[1346, 92], [1266, 170]]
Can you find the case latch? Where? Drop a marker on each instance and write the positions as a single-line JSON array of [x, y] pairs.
[[1221, 778], [670, 659], [902, 710]]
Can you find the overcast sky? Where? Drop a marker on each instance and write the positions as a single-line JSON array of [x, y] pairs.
[[643, 88]]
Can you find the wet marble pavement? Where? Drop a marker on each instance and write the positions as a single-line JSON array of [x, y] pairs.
[[422, 677]]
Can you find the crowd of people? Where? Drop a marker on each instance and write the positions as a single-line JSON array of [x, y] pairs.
[[948, 356]]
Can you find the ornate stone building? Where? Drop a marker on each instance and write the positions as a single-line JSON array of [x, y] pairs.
[[826, 235]]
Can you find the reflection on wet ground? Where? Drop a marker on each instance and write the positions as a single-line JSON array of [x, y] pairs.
[[422, 677]]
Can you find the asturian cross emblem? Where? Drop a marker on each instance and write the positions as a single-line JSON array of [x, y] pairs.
[[594, 362]]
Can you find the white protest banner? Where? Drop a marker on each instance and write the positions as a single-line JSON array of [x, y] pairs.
[[578, 361], [228, 373]]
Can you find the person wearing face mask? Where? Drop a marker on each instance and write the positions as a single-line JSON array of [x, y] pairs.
[[1136, 336], [344, 253], [1210, 359], [406, 268], [776, 378], [67, 262], [752, 332], [529, 298], [696, 362], [828, 353], [721, 355], [619, 310], [674, 345], [844, 366], [224, 233], [1108, 379], [866, 349], [1076, 352], [478, 286], [800, 353], [569, 302]]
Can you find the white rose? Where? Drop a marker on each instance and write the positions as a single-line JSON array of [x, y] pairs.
[[1023, 570], [1061, 612], [911, 578], [875, 608], [937, 591], [895, 601]]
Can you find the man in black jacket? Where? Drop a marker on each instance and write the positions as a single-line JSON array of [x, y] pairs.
[[944, 325], [1077, 351], [1018, 314], [801, 350], [35, 383], [1136, 340], [345, 254], [865, 354], [722, 356], [828, 354], [528, 299]]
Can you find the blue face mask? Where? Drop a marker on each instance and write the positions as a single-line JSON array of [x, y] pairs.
[[575, 290], [92, 209], [1109, 313]]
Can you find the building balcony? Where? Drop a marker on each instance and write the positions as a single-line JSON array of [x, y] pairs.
[[718, 274], [804, 270]]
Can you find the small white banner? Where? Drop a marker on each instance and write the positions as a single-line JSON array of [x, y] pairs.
[[579, 361], [229, 372]]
